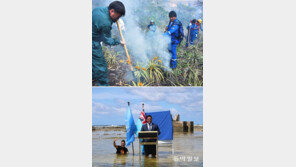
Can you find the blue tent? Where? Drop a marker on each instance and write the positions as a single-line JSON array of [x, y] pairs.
[[164, 121]]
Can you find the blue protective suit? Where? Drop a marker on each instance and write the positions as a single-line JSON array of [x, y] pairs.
[[193, 33], [201, 27], [101, 32], [152, 28], [173, 31]]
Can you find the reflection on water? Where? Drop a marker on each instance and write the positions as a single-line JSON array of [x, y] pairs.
[[186, 150]]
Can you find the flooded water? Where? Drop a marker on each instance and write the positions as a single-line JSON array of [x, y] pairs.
[[185, 150]]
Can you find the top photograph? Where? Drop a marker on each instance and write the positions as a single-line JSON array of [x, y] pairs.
[[147, 43]]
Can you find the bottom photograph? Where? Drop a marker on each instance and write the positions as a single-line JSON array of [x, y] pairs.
[[147, 126]]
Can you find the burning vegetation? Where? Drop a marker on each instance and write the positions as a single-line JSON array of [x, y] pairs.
[[189, 71], [149, 54]]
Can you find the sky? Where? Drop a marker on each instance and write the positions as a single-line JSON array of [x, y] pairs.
[[109, 104]]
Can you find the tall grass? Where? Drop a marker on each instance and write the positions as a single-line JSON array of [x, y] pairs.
[[189, 71]]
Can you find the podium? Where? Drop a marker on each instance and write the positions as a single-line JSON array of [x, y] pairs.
[[148, 135]]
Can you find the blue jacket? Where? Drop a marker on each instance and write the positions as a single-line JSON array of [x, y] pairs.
[[193, 29], [173, 31], [152, 27]]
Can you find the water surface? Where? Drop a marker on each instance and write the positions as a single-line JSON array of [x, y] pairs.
[[185, 150]]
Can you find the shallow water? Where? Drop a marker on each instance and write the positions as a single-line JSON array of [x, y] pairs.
[[185, 150]]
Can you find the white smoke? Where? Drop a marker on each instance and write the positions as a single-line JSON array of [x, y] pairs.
[[141, 48], [121, 24]]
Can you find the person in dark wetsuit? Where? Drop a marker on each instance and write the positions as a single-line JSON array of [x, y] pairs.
[[120, 149]]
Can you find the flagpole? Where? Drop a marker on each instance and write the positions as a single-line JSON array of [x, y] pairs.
[[143, 106], [133, 148], [128, 103], [142, 122]]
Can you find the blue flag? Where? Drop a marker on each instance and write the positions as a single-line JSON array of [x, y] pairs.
[[130, 127], [140, 122], [139, 126]]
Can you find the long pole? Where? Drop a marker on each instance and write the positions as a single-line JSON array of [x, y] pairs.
[[133, 148], [199, 31], [143, 107], [189, 34], [125, 49], [140, 151]]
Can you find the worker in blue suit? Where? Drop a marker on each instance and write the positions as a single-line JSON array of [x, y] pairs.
[[200, 28], [102, 20], [193, 32], [152, 28], [174, 31]]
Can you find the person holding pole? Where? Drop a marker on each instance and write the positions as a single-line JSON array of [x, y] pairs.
[[120, 149], [102, 20], [192, 32]]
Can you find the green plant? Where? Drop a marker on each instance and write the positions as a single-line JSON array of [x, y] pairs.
[[191, 77], [154, 72], [111, 57]]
